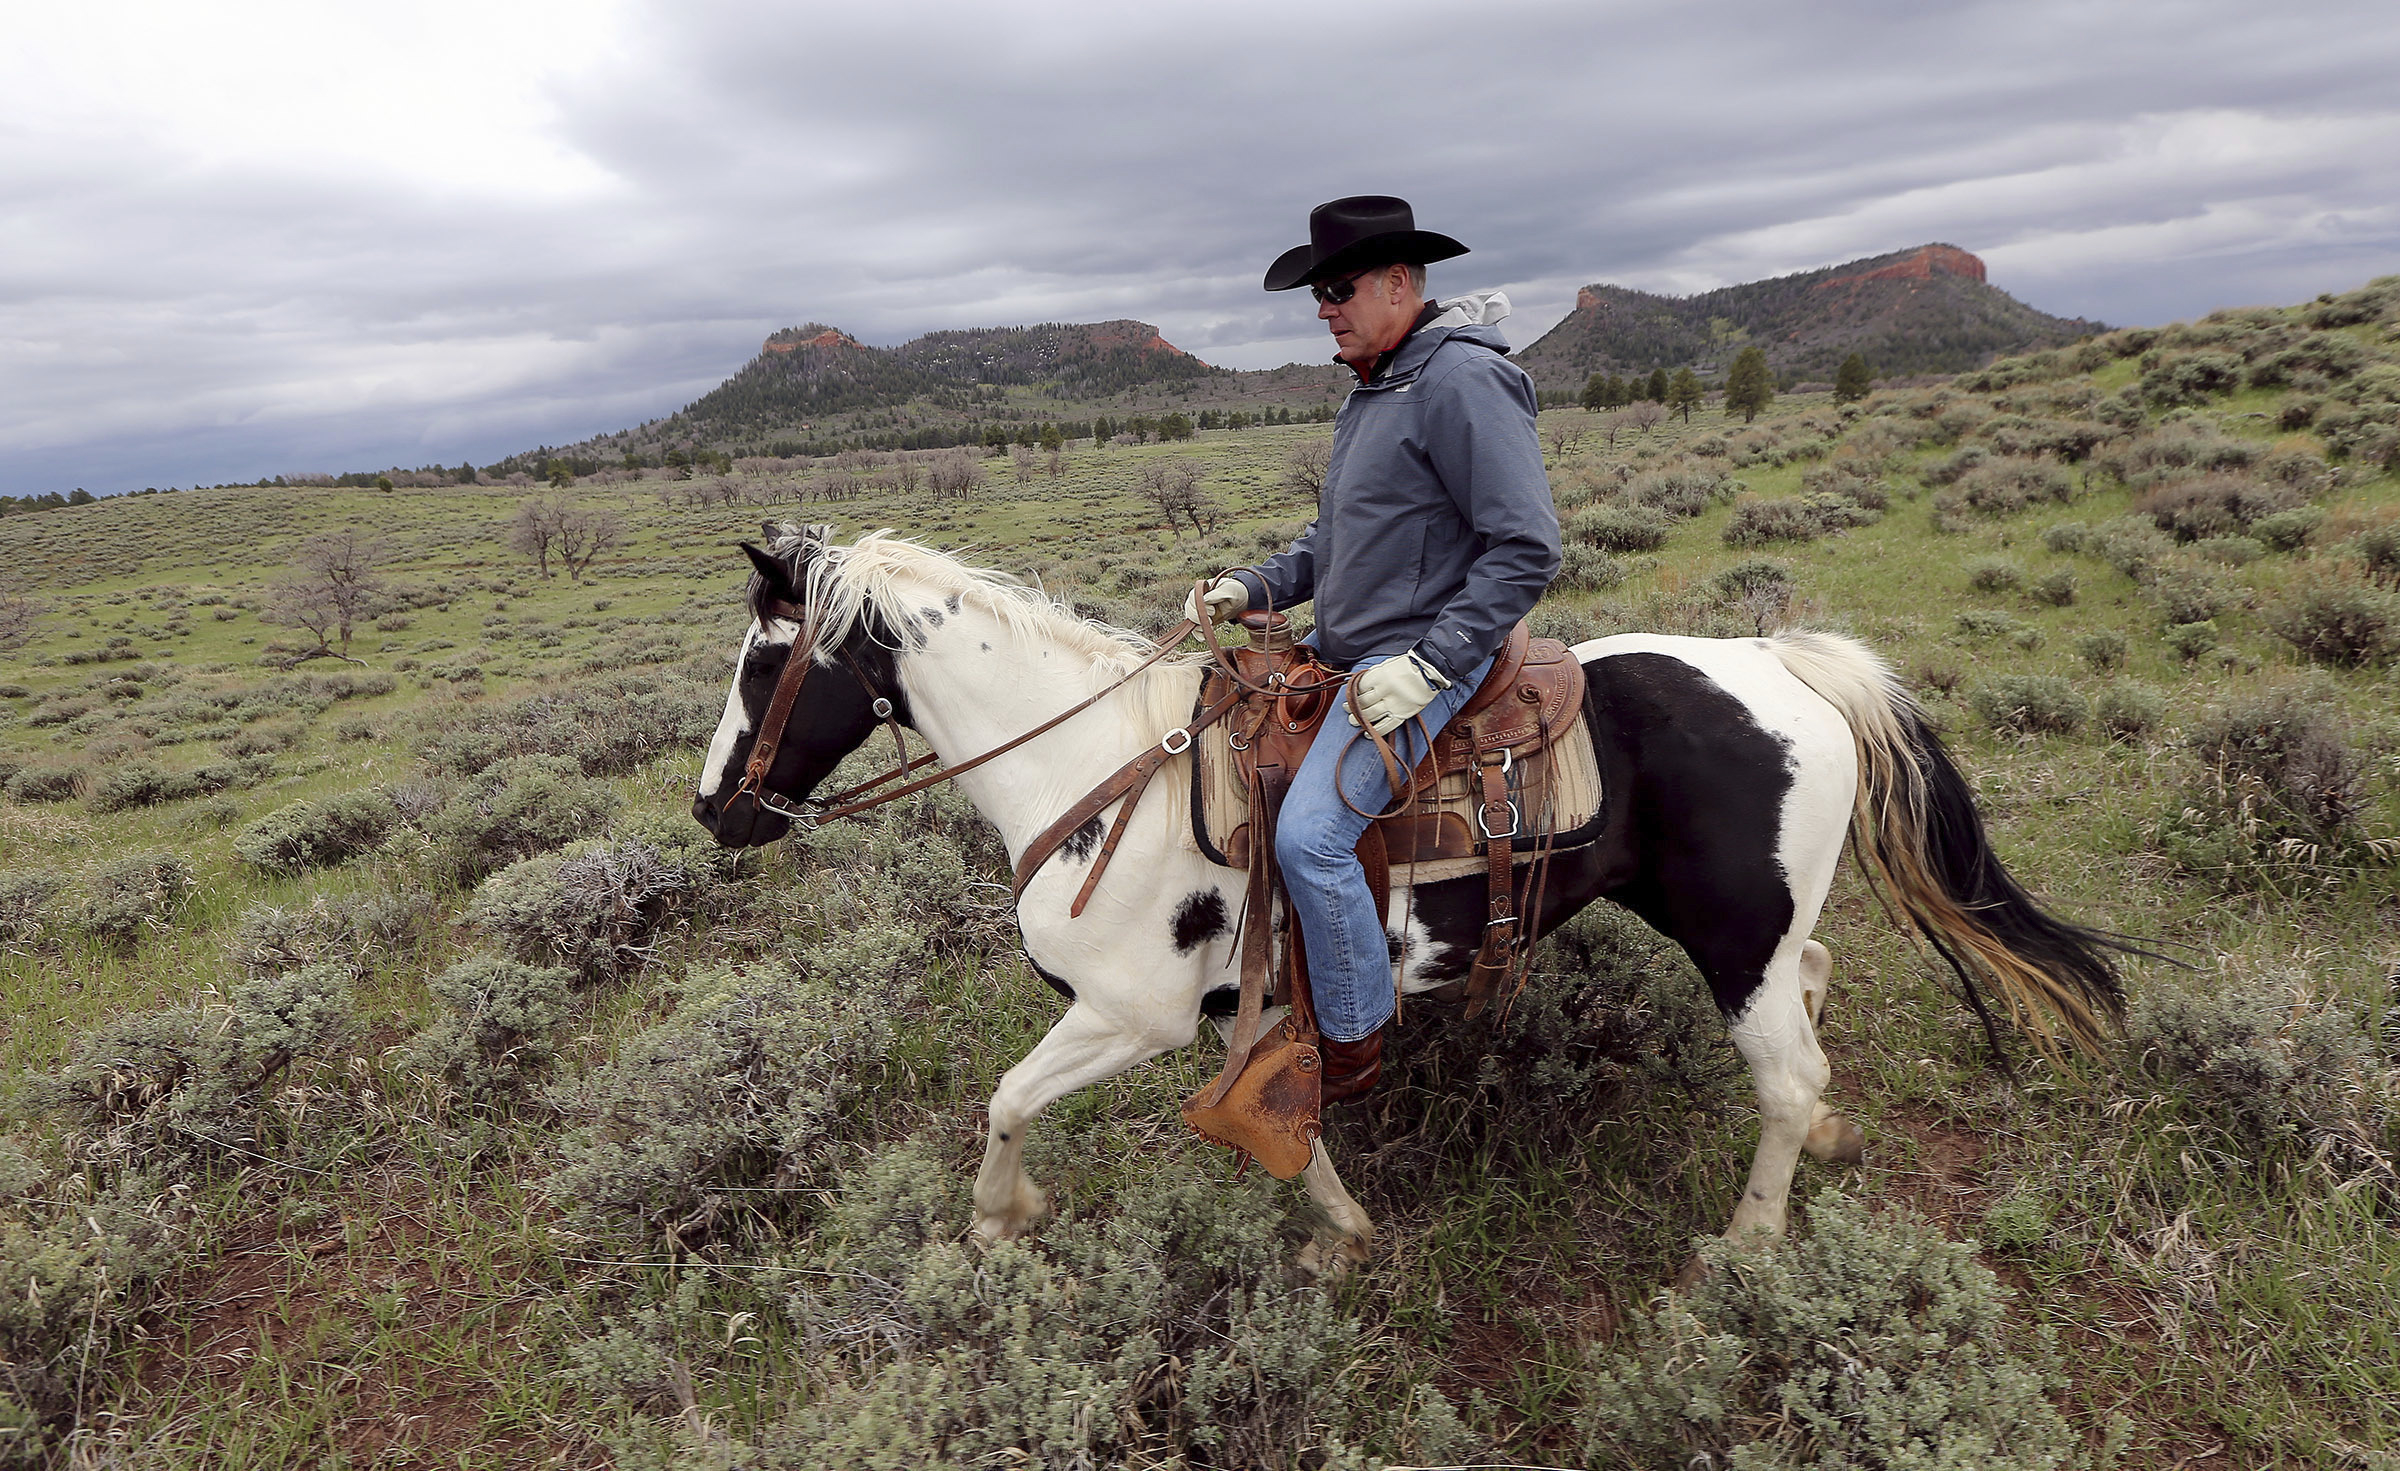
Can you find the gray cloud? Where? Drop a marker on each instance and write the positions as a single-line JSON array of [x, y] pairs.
[[182, 307]]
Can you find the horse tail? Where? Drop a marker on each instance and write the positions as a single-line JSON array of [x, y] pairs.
[[1916, 823]]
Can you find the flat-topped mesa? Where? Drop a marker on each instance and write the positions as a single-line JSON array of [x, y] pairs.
[[1922, 264]]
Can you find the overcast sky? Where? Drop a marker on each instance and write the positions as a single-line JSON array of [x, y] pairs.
[[243, 238]]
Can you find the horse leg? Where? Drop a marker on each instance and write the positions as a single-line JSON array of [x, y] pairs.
[[1348, 1232], [1083, 1048], [1831, 1137], [1774, 1036]]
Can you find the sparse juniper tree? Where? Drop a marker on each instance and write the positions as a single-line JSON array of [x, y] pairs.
[[1052, 440], [1102, 431], [1749, 387], [1656, 391], [1174, 427], [1852, 382], [1685, 394], [333, 584]]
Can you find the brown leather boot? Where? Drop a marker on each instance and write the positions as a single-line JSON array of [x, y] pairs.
[[1351, 1068]]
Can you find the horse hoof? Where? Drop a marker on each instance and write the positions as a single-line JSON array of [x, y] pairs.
[[1331, 1258], [1837, 1141]]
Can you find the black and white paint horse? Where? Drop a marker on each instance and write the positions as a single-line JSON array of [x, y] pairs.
[[1733, 769]]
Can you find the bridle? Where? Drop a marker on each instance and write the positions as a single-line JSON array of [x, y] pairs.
[[851, 801]]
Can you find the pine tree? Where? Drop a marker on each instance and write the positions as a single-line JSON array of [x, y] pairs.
[[1595, 391], [1656, 392], [1749, 387], [1852, 382], [1685, 393]]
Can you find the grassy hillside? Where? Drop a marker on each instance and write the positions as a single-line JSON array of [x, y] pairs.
[[396, 1079]]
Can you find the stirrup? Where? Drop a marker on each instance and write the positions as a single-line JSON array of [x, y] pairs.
[[1270, 1114]]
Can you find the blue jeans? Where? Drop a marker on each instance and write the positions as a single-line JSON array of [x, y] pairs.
[[1316, 841]]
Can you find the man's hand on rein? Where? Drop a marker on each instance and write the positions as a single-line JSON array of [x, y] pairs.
[[1391, 693], [1224, 599]]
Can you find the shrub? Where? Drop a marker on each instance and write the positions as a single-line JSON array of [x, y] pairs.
[[2034, 704], [2127, 711], [2286, 748], [1584, 568], [191, 1086], [724, 1116], [1868, 1343], [350, 933], [2103, 649], [1683, 493], [1994, 574], [128, 895], [2005, 487], [2214, 505], [2264, 1063], [515, 808], [2173, 379], [45, 784], [2288, 531], [25, 896], [2066, 537], [595, 908], [2188, 641], [2229, 551], [1621, 528], [146, 784], [1991, 623], [499, 1024], [2056, 587], [2338, 617], [2133, 545], [2184, 592], [319, 834], [606, 728], [1752, 577], [1756, 522], [1167, 1332], [2378, 550]]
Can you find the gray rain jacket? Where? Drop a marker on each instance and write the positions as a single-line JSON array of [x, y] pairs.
[[1435, 530]]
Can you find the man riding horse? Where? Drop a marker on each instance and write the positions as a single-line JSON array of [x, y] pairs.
[[1434, 535]]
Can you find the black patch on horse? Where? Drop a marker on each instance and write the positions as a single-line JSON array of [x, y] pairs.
[[1199, 919], [1221, 1001], [952, 603], [1080, 843], [1055, 984]]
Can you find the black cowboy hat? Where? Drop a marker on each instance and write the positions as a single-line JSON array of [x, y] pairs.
[[1349, 235]]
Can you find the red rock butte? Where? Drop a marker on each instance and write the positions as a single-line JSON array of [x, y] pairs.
[[1918, 265], [826, 338]]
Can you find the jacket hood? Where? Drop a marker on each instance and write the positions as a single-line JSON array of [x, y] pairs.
[[1468, 318]]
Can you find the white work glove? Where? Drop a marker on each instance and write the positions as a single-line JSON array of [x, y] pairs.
[[1391, 693], [1228, 597]]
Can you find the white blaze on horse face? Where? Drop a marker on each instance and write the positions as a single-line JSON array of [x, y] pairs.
[[732, 725]]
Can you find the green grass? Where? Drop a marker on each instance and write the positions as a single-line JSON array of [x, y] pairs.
[[400, 1291]]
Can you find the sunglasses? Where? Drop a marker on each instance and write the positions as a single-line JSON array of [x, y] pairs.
[[1335, 293]]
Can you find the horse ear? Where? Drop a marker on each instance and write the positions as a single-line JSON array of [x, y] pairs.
[[774, 571]]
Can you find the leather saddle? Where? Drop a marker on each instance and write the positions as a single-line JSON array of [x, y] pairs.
[[1528, 705]]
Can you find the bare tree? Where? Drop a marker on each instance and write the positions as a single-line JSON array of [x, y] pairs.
[[1174, 487], [1646, 415], [584, 533], [1057, 465], [911, 473], [19, 612], [533, 532], [1564, 438], [957, 475], [1020, 459], [332, 586], [1304, 466]]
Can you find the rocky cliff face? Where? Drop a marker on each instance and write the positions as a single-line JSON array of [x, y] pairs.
[[1930, 309]]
